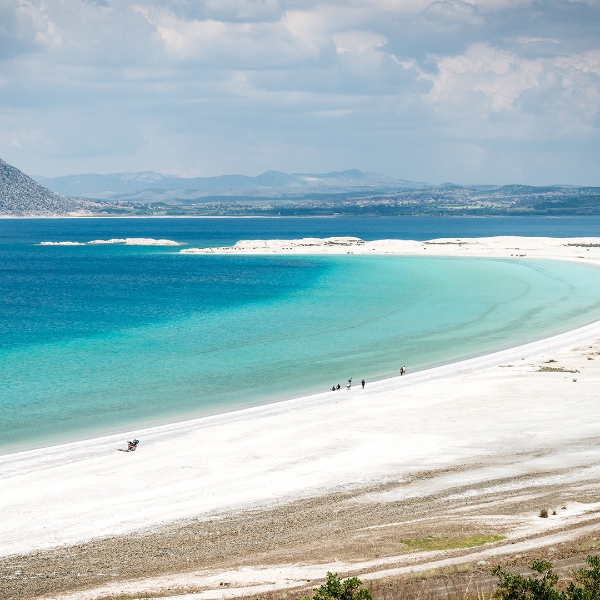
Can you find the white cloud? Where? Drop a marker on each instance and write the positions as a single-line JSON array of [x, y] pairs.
[[497, 94], [498, 76], [577, 93], [46, 30], [253, 44], [588, 62], [451, 14], [243, 10], [402, 8], [534, 40], [500, 5], [358, 42]]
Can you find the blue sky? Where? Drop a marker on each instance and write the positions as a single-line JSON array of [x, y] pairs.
[[487, 91]]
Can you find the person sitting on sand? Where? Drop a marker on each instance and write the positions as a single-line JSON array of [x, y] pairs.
[[333, 389], [338, 386], [131, 446]]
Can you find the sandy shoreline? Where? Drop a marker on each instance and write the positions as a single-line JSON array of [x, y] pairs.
[[526, 414]]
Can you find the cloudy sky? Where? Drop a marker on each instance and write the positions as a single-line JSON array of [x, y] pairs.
[[485, 91]]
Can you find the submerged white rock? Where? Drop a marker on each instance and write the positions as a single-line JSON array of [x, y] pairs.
[[123, 241], [61, 244], [137, 242]]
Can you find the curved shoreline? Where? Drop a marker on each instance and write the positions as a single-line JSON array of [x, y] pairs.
[[464, 366], [377, 368], [305, 419], [562, 249]]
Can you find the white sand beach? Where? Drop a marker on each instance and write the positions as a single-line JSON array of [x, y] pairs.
[[507, 422], [501, 246]]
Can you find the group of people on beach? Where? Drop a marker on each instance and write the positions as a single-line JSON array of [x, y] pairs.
[[337, 387], [131, 446]]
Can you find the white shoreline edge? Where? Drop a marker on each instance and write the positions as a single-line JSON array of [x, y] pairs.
[[460, 367]]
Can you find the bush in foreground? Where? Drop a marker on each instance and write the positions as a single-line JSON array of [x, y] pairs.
[[542, 584], [336, 589]]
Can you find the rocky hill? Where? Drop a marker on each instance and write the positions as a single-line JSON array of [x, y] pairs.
[[21, 196]]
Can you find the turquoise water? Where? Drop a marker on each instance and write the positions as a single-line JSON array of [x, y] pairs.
[[101, 339]]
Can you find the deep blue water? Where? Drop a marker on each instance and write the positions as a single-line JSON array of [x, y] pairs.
[[228, 231]]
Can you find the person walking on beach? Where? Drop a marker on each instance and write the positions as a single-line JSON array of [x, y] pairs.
[[349, 383], [363, 383], [402, 370]]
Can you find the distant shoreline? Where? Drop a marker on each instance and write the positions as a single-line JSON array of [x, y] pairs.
[[303, 217], [79, 217]]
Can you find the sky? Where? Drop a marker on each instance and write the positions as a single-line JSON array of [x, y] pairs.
[[486, 91]]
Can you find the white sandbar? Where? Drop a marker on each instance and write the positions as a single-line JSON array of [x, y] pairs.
[[502, 246], [119, 241], [480, 411]]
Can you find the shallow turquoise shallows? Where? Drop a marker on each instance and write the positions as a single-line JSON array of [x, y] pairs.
[[102, 339]]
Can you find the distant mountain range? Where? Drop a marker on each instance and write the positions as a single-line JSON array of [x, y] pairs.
[[350, 193], [156, 187], [20, 195]]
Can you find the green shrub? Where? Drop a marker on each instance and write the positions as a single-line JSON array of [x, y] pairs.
[[336, 589], [589, 580], [541, 585]]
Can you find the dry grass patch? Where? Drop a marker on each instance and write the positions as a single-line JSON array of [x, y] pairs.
[[588, 545]]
